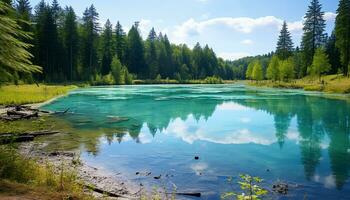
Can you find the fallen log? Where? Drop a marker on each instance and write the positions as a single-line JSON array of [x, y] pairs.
[[41, 133], [193, 194], [25, 137], [62, 112], [6, 139], [110, 194]]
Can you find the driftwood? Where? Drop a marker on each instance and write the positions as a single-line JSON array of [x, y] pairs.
[[110, 194], [62, 112], [193, 194], [18, 112], [25, 137]]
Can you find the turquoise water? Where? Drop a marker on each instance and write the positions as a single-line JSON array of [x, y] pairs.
[[294, 136]]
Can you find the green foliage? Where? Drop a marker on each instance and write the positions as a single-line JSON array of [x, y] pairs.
[[287, 69], [14, 56], [272, 71], [250, 187], [313, 36], [285, 44], [249, 72], [342, 33], [320, 63], [107, 48], [213, 80], [19, 169], [257, 73], [117, 71]]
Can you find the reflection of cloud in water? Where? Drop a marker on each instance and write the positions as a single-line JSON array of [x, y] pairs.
[[245, 120], [230, 106], [327, 181], [198, 168], [182, 130]]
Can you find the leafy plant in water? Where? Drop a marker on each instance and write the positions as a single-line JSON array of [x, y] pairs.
[[251, 190]]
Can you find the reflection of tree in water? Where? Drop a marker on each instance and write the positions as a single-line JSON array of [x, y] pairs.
[[315, 117], [337, 126]]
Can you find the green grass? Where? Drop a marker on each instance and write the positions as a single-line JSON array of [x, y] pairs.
[[26, 94], [331, 84], [21, 176]]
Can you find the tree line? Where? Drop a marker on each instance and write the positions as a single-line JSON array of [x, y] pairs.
[[70, 48], [318, 53]]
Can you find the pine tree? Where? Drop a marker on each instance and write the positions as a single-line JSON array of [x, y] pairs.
[[285, 44], [197, 61], [120, 43], [16, 57], [47, 43], [320, 63], [342, 33], [70, 36], [151, 54], [272, 71], [107, 48], [135, 53], [24, 11], [313, 37], [90, 36], [333, 54]]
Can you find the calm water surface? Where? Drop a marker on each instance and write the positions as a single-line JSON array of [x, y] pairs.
[[298, 137]]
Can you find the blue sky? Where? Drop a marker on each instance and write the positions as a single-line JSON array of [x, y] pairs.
[[233, 28]]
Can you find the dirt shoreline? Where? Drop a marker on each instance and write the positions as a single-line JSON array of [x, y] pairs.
[[90, 175]]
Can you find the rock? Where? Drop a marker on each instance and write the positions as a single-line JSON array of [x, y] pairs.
[[157, 177], [281, 188]]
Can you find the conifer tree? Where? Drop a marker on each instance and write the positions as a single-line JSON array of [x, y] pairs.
[[107, 48], [135, 52], [120, 43], [313, 37], [14, 55], [70, 38], [151, 54], [285, 44], [342, 33], [90, 36]]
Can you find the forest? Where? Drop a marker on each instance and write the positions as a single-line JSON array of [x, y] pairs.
[[72, 48], [69, 48], [318, 54]]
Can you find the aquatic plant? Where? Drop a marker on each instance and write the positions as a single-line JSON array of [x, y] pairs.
[[250, 188]]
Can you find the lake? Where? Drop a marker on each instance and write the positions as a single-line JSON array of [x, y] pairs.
[[298, 137]]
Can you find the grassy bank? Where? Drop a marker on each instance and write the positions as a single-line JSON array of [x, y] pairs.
[[26, 94], [23, 177], [330, 84]]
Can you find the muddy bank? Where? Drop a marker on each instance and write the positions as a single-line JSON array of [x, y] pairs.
[[96, 180]]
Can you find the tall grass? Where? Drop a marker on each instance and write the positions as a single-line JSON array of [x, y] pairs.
[[18, 169], [330, 84], [25, 94]]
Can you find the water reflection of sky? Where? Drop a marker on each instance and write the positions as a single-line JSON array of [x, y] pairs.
[[299, 137]]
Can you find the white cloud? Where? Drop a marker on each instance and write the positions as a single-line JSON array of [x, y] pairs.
[[247, 42], [233, 55], [145, 27], [329, 16], [182, 33]]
